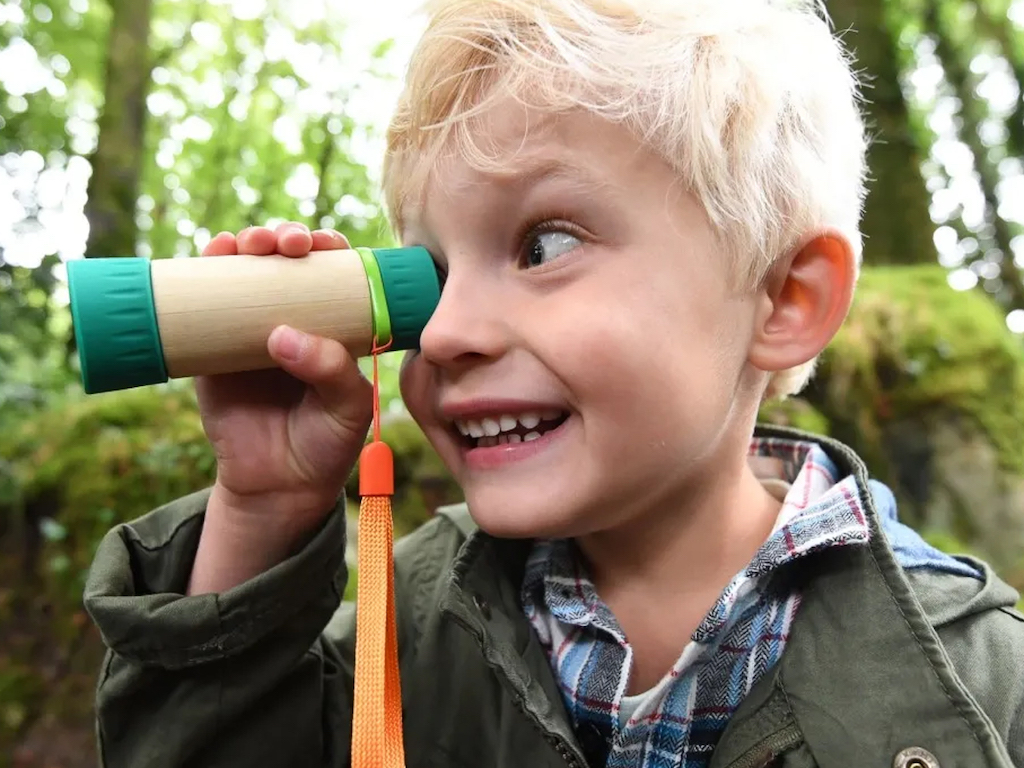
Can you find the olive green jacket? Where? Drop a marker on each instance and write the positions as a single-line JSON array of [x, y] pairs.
[[884, 667]]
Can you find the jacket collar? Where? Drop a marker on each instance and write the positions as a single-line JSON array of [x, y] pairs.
[[482, 595], [865, 675], [862, 655]]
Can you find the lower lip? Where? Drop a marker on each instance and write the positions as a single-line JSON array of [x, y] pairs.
[[502, 455]]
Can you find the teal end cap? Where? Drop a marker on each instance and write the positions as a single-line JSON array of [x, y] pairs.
[[115, 323], [412, 289]]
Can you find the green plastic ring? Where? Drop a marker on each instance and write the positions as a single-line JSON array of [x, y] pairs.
[[378, 298]]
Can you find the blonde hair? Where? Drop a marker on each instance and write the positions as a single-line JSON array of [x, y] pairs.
[[752, 102]]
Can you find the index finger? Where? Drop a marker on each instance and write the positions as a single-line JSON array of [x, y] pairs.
[[223, 244], [329, 240]]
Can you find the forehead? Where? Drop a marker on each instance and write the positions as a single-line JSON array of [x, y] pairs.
[[508, 149]]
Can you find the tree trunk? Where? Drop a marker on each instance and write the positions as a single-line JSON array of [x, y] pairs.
[[114, 184], [897, 226]]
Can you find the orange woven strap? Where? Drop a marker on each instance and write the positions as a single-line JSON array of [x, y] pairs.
[[377, 709]]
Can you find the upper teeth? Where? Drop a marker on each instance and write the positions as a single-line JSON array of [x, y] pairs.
[[493, 426]]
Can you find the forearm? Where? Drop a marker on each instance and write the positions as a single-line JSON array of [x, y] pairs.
[[243, 538], [245, 674]]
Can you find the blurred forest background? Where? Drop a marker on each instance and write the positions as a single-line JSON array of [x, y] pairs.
[[141, 127]]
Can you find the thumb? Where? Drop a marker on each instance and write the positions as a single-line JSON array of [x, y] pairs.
[[327, 367]]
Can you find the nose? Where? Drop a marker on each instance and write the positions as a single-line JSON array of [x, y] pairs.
[[468, 324]]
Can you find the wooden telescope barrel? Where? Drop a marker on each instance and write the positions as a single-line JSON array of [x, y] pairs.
[[139, 321]]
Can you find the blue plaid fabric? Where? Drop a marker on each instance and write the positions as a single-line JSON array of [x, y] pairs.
[[679, 722]]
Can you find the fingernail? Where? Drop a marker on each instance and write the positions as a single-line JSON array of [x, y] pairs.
[[289, 342]]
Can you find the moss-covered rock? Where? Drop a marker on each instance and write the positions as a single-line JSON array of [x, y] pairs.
[[89, 462], [927, 384]]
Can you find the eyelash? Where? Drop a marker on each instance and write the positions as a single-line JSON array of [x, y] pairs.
[[543, 226]]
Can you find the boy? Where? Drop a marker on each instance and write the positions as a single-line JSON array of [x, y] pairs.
[[646, 217]]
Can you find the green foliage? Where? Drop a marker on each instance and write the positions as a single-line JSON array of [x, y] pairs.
[[796, 413], [246, 128], [69, 41], [31, 365]]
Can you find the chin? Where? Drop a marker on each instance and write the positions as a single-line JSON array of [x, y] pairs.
[[510, 515]]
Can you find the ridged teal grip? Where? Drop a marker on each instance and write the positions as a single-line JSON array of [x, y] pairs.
[[115, 323], [412, 289]]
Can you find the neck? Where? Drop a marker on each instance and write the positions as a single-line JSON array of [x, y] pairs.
[[661, 571], [707, 538]]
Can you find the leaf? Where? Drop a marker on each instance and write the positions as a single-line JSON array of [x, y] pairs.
[[52, 530]]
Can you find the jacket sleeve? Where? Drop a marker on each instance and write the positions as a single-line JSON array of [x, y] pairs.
[[258, 675]]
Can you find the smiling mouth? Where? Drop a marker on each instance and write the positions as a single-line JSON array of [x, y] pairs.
[[508, 428]]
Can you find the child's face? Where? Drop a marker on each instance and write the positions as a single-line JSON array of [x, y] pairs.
[[583, 287]]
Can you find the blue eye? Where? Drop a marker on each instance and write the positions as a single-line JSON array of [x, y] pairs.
[[547, 246]]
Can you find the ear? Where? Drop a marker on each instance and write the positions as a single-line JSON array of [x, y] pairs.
[[805, 301]]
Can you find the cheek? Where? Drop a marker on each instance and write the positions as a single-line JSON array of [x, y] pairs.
[[658, 369], [416, 384]]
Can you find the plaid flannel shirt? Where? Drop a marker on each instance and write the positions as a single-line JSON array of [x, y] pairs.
[[679, 722]]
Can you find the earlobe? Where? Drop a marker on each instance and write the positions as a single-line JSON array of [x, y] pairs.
[[806, 302]]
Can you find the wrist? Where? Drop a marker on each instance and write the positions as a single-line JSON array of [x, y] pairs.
[[244, 536], [272, 511], [279, 523]]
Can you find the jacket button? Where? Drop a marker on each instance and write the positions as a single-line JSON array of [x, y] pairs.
[[915, 757], [483, 606]]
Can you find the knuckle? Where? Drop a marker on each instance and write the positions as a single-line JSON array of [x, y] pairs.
[[349, 418], [330, 356], [314, 350], [335, 358]]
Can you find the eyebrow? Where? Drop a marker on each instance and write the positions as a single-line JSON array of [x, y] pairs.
[[531, 174], [513, 181]]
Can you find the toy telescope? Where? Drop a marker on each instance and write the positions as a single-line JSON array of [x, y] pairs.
[[140, 321]]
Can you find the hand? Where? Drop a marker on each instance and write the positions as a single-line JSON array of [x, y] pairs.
[[285, 439]]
